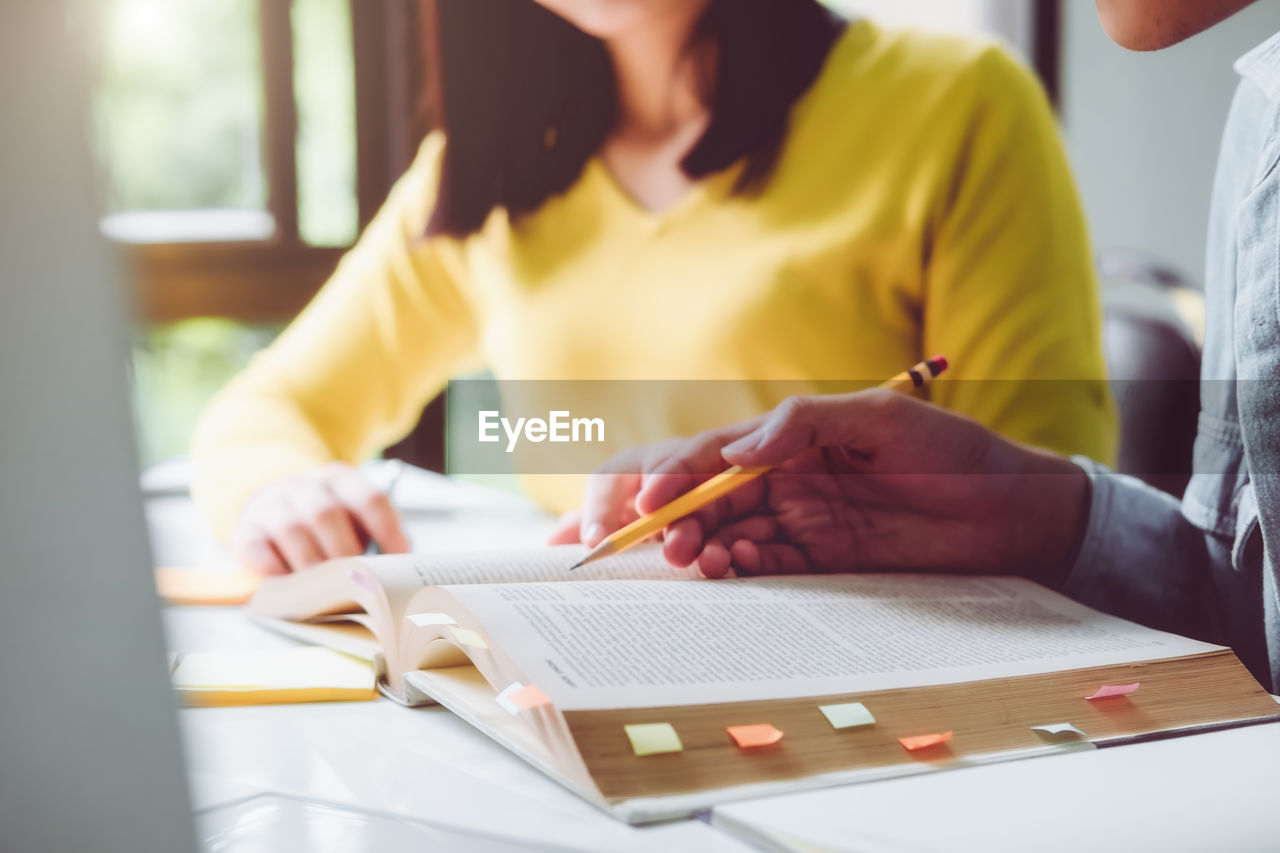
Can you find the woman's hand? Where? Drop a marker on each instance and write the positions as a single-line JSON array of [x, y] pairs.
[[609, 502], [867, 481], [299, 522]]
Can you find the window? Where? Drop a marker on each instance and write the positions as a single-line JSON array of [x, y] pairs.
[[179, 120], [1008, 18], [236, 158], [241, 145], [1029, 26]]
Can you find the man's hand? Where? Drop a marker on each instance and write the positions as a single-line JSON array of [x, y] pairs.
[[872, 481], [330, 512]]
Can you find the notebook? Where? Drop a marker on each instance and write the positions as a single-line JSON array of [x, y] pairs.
[[270, 676], [655, 695]]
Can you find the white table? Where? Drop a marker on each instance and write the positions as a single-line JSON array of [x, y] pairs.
[[420, 763], [1214, 791]]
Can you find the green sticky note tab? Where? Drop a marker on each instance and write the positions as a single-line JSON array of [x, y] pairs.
[[848, 715], [653, 738], [1059, 730]]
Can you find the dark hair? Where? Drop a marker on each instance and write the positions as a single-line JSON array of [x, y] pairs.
[[525, 99]]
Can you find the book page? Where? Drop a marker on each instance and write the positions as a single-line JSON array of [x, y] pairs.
[[616, 644], [384, 586], [522, 565], [332, 587]]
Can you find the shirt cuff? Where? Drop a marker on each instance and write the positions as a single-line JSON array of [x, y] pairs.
[[1092, 548], [1139, 558]]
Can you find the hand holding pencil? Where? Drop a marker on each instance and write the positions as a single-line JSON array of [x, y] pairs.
[[869, 481], [732, 479]]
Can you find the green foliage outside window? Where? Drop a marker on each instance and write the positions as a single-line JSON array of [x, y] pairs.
[[179, 127], [178, 110]]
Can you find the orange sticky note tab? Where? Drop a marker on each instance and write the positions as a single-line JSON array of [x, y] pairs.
[[529, 697], [207, 588], [1108, 691], [924, 741], [761, 734]]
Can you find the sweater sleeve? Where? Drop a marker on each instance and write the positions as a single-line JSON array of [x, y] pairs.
[[1010, 289], [352, 372]]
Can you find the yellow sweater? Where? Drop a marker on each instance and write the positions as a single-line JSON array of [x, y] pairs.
[[922, 204]]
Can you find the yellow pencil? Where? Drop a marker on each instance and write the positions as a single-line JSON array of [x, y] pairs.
[[726, 481]]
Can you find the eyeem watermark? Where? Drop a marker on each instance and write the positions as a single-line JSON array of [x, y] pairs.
[[557, 427]]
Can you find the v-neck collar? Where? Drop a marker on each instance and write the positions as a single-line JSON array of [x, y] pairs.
[[621, 197]]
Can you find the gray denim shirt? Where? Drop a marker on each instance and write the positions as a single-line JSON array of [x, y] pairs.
[[1208, 567]]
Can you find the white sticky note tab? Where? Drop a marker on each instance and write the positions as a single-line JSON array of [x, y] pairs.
[[505, 701], [848, 715], [1059, 729], [424, 619], [467, 637]]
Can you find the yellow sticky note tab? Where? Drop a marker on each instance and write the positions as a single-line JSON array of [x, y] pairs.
[[848, 715], [467, 637], [423, 619], [924, 741], [530, 697], [653, 738], [759, 734], [199, 587], [1109, 691]]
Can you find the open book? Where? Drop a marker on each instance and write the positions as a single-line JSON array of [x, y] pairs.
[[656, 695]]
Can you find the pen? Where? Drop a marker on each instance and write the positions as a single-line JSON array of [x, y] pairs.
[[397, 468], [726, 481]]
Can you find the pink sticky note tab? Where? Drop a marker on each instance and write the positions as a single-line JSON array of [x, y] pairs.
[[761, 734], [1107, 691], [361, 579], [529, 697], [924, 741]]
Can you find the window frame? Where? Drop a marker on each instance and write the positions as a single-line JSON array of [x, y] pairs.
[[265, 281], [1046, 47]]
